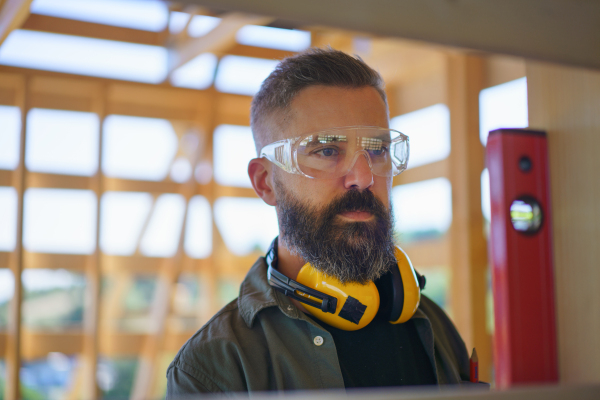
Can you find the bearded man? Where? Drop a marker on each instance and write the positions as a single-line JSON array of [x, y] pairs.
[[326, 161]]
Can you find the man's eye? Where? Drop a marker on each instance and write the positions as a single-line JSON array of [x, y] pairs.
[[379, 152], [327, 152]]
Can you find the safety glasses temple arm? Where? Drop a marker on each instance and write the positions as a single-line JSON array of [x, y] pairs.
[[279, 153]]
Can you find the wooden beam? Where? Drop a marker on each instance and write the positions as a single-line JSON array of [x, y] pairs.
[[258, 52], [468, 248], [112, 343], [428, 171], [43, 180], [65, 26], [428, 253], [502, 69], [93, 274], [14, 345], [6, 177], [12, 16], [71, 262], [218, 40], [144, 384], [553, 30], [9, 88]]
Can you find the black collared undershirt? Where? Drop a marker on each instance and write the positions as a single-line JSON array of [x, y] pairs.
[[382, 354]]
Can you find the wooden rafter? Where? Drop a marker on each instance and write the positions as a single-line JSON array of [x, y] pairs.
[[218, 40], [44, 23], [12, 16]]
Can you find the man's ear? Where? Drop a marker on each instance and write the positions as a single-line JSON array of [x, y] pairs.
[[259, 171]]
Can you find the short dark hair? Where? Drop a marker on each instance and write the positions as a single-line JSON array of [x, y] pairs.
[[312, 67]]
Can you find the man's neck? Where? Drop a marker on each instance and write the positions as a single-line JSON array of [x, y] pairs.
[[289, 265]]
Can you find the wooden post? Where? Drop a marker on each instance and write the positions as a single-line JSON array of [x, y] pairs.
[[468, 245], [13, 342], [93, 273], [144, 383]]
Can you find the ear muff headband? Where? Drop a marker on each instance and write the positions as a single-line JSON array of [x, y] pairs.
[[304, 294], [296, 290]]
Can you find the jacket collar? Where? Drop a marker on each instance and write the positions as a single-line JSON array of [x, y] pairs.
[[256, 294]]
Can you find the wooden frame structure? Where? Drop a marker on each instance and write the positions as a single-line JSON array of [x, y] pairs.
[[417, 76]]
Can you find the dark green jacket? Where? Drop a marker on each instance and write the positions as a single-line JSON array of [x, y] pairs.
[[261, 341]]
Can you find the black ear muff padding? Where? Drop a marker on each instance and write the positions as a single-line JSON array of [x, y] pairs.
[[391, 294]]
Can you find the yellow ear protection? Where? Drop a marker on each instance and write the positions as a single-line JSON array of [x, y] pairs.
[[395, 296]]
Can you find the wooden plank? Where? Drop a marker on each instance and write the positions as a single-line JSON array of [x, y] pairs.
[[257, 52], [13, 342], [152, 346], [562, 32], [6, 178], [71, 262], [62, 86], [52, 101], [5, 259], [7, 97], [119, 344], [93, 274], [11, 81], [400, 61], [469, 261], [112, 344], [156, 96], [175, 340], [128, 185], [230, 191], [502, 69], [428, 253], [135, 264], [221, 38], [423, 172], [233, 119], [38, 344], [66, 26], [233, 105], [42, 180], [564, 102], [139, 110], [12, 16], [115, 184], [421, 92]]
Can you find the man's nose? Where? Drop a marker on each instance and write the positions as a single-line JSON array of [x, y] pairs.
[[360, 175]]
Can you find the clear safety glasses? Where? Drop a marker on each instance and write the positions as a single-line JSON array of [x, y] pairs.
[[332, 153]]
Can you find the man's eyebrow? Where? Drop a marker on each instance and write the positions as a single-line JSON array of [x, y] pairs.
[[321, 139]]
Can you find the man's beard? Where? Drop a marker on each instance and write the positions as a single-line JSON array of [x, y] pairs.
[[359, 251]]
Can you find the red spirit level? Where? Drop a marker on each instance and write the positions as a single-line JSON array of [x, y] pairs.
[[521, 256]]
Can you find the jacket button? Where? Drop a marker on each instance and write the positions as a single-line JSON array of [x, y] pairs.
[[318, 340]]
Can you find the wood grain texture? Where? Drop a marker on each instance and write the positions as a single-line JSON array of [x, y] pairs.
[[468, 245], [566, 103]]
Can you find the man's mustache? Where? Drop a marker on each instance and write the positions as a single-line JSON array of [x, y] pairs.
[[356, 200]]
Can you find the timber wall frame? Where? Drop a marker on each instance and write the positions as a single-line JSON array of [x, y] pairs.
[[417, 76]]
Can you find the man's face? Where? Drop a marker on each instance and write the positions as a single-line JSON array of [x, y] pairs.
[[340, 225]]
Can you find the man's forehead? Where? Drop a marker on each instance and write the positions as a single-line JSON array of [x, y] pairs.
[[323, 107]]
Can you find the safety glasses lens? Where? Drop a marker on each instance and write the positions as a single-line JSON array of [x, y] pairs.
[[332, 154]]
